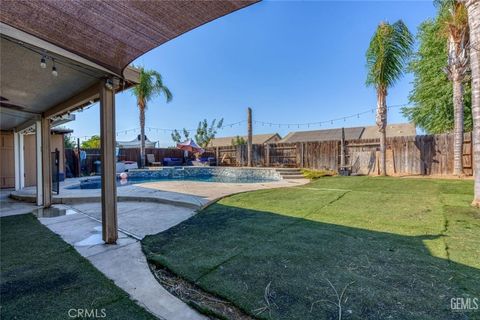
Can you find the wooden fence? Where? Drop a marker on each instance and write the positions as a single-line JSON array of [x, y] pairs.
[[417, 155], [88, 165]]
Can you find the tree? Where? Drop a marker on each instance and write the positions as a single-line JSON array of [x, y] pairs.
[[177, 137], [206, 133], [453, 18], [92, 143], [432, 93], [387, 55], [150, 86], [69, 142], [239, 141], [473, 11]]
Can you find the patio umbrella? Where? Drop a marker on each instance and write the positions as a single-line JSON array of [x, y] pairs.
[[190, 145]]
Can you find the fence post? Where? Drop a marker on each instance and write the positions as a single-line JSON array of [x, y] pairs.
[[217, 155], [267, 155], [302, 164], [249, 140]]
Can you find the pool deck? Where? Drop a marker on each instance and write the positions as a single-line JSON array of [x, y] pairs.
[[190, 194]]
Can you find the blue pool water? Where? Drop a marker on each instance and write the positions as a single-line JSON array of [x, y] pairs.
[[202, 174], [95, 183]]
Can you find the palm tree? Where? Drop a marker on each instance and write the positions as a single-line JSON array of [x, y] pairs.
[[387, 55], [473, 11], [453, 17], [150, 86]]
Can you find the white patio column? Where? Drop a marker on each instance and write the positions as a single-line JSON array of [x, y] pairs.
[[16, 160], [19, 161], [21, 157], [38, 157], [108, 159]]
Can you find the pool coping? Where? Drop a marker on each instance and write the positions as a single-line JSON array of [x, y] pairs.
[[86, 199]]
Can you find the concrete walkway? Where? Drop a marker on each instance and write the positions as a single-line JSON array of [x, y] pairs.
[[125, 263]]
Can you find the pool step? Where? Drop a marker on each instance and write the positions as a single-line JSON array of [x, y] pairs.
[[290, 173]]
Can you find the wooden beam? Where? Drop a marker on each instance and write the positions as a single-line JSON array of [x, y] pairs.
[[81, 99], [131, 75], [27, 124], [46, 164], [108, 159]]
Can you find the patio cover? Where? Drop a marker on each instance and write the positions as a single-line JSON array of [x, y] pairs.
[[112, 33], [190, 145]]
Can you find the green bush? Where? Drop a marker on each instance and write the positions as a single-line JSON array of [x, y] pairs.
[[316, 174]]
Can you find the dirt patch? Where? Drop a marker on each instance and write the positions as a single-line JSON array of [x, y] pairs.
[[207, 303]]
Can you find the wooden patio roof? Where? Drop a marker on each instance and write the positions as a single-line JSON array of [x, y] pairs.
[[112, 33]]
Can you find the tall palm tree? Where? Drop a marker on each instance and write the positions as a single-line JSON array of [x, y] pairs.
[[150, 86], [387, 55], [453, 17], [473, 11]]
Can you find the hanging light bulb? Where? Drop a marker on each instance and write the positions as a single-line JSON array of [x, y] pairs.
[[43, 63], [54, 69]]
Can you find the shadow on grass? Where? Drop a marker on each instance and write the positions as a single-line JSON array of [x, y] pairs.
[[236, 253]]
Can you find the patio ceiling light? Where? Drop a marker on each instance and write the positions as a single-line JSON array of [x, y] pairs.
[[54, 69], [43, 63], [109, 84]]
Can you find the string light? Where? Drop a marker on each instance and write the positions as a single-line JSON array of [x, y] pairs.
[[263, 123]]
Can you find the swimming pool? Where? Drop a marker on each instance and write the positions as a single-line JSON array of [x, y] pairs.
[[201, 174]]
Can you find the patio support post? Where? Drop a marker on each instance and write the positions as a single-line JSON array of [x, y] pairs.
[[249, 142], [46, 167], [107, 145], [16, 159], [19, 161], [38, 160]]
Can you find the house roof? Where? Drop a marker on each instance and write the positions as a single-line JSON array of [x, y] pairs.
[[370, 132], [112, 33], [256, 139], [393, 130], [322, 135]]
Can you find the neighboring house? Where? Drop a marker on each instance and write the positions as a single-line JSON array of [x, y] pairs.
[[370, 132], [393, 130], [256, 139], [135, 143], [322, 135], [7, 172]]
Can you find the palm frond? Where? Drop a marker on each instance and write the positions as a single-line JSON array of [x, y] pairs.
[[388, 54], [150, 86]]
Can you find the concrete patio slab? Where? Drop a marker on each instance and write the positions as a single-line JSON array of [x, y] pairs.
[[141, 218], [10, 207]]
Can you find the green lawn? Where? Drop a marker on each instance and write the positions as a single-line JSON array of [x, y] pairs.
[[402, 247], [42, 277]]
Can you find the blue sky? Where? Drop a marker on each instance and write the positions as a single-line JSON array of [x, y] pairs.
[[291, 62]]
